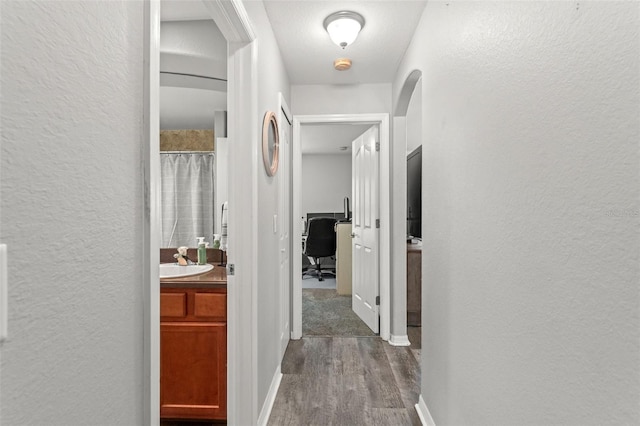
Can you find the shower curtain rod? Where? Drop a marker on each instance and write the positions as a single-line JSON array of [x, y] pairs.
[[193, 75], [188, 152]]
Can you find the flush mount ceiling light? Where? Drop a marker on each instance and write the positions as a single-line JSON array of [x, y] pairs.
[[343, 27]]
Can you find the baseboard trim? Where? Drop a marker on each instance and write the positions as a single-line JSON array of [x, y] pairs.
[[423, 413], [271, 398], [399, 340]]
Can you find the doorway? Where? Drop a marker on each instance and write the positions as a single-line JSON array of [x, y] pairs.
[[382, 120], [326, 218], [407, 135], [231, 19]]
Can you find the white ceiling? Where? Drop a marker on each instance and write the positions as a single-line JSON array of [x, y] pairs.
[[308, 52], [183, 10], [328, 138]]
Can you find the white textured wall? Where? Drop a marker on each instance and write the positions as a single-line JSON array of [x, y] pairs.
[[532, 214], [340, 99], [326, 180], [414, 119], [72, 208], [272, 79]]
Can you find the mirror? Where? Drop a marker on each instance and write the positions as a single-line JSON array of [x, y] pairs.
[[193, 103], [270, 143]]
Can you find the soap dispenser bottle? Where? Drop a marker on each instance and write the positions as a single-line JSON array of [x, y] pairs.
[[202, 251]]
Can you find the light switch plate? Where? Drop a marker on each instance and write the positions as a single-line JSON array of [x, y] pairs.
[[4, 302]]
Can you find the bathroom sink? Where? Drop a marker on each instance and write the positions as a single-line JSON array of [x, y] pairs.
[[172, 270]]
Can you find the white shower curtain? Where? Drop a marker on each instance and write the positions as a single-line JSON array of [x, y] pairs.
[[187, 198]]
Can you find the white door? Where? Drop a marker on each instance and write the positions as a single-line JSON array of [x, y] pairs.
[[284, 214], [365, 225]]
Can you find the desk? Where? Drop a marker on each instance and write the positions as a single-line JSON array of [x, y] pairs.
[[414, 284], [343, 258]]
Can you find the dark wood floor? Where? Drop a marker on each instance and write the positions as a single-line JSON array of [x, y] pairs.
[[348, 381]]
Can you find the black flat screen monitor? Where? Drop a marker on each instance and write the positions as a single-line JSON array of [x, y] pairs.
[[414, 193]]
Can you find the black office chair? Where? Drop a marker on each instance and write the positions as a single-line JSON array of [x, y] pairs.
[[321, 242]]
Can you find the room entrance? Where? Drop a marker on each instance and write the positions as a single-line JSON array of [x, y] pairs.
[[334, 193], [339, 214]]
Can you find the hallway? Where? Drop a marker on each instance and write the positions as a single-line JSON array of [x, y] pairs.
[[348, 381]]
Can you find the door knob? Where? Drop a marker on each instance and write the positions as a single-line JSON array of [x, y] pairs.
[[353, 235]]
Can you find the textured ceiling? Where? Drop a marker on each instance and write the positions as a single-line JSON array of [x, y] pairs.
[[183, 10], [328, 138], [308, 52]]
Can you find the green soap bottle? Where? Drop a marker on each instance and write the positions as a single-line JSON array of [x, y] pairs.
[[202, 251]]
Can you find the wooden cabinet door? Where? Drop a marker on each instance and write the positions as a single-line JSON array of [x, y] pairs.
[[193, 370]]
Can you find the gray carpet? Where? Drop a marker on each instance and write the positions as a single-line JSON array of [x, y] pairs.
[[325, 313], [312, 282]]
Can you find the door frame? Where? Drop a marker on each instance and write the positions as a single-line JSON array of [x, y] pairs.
[[382, 120], [399, 336], [285, 112], [231, 18]]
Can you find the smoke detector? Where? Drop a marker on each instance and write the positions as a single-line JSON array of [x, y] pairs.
[[342, 64]]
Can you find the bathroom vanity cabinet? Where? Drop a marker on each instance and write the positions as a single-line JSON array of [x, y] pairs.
[[193, 347]]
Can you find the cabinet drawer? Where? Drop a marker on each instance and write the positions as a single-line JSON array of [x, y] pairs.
[[210, 305], [173, 305]]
